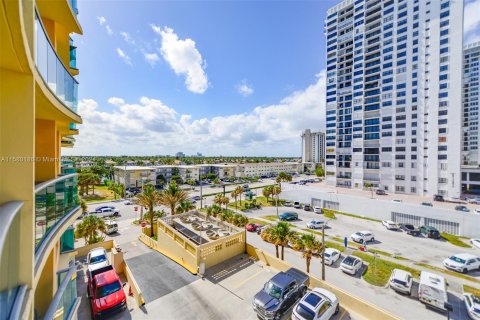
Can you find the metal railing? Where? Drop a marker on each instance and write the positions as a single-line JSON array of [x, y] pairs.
[[52, 70], [65, 302]]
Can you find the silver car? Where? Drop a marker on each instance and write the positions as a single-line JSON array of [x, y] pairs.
[[315, 224]]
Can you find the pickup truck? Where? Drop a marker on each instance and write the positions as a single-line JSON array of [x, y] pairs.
[[105, 292], [280, 293], [106, 212]]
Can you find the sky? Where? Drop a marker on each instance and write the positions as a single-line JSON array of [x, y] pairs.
[[232, 78]]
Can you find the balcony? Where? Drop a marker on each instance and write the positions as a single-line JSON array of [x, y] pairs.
[[52, 70], [56, 203], [65, 303]]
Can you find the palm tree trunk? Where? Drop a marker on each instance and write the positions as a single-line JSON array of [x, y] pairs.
[[283, 247], [276, 203], [172, 210], [151, 222], [308, 265], [276, 250]]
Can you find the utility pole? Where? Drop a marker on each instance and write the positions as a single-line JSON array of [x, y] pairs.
[[201, 197], [323, 252]]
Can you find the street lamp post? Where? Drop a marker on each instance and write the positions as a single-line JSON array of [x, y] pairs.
[[323, 249], [201, 197]]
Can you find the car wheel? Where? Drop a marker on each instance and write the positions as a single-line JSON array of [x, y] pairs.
[[361, 240], [465, 270], [337, 309], [373, 239]]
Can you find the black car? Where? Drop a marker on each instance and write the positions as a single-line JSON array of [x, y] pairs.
[[430, 232], [410, 229], [438, 197], [380, 192]]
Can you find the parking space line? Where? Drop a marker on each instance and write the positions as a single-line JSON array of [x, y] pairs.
[[241, 283], [343, 313]]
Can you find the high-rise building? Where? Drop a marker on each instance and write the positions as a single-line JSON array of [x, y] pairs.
[[471, 133], [38, 198], [393, 114], [313, 146]]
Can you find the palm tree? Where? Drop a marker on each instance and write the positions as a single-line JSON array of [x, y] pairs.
[[185, 206], [171, 196], [311, 246], [239, 190], [149, 198], [270, 235], [225, 201], [83, 206], [283, 176], [267, 192], [234, 194], [276, 190], [369, 186], [283, 234], [218, 199], [87, 229]]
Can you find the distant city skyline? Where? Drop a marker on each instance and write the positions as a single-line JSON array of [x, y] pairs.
[[169, 82]]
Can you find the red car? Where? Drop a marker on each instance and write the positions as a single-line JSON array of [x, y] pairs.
[[105, 292], [252, 227]]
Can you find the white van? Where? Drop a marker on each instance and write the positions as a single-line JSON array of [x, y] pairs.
[[111, 226], [432, 290]]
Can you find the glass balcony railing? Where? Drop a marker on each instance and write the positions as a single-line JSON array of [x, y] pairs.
[[52, 70], [65, 303], [73, 55], [54, 200], [73, 4]]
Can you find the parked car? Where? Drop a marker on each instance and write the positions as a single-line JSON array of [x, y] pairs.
[[287, 204], [432, 290], [462, 262], [427, 204], [396, 200], [430, 232], [317, 210], [297, 205], [252, 227], [315, 224], [280, 293], [196, 198], [475, 242], [97, 258], [127, 202], [105, 292], [401, 281], [476, 211], [110, 226], [380, 192], [390, 225], [104, 207], [260, 229], [331, 256], [474, 200], [288, 216], [107, 212], [462, 208], [472, 303], [438, 197], [363, 236], [307, 207], [351, 265], [318, 304], [410, 229]]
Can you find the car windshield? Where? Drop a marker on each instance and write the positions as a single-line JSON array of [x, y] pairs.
[[108, 289], [304, 312], [97, 259], [409, 226], [359, 234], [273, 290], [457, 259], [403, 283], [349, 261], [327, 255]]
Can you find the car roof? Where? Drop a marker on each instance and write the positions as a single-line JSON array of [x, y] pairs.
[[281, 279], [106, 277], [317, 221], [432, 279], [313, 300], [365, 231], [401, 274], [331, 250], [353, 257], [465, 256]]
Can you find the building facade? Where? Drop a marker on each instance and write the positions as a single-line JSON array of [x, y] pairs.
[[38, 116], [471, 134], [313, 146], [393, 113]]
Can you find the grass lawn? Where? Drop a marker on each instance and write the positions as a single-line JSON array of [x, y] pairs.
[[327, 213], [379, 271], [252, 220], [101, 194], [472, 290], [271, 218], [261, 200], [449, 272], [455, 240]]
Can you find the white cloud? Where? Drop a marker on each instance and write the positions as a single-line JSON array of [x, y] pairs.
[[151, 58], [103, 21], [128, 39], [471, 22], [124, 56], [151, 127], [184, 58], [244, 88]]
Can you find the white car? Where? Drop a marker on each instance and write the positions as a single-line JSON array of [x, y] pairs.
[[96, 259], [401, 281], [476, 211], [331, 256], [111, 226], [475, 242], [363, 236], [127, 202], [317, 210], [106, 212], [315, 224], [462, 262], [351, 265], [473, 305], [474, 200], [390, 225], [318, 304]]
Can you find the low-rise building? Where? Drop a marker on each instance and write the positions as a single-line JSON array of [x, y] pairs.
[[134, 176]]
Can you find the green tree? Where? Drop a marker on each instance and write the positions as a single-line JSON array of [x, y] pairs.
[[177, 179], [369, 186], [185, 206], [311, 246], [235, 194], [149, 198], [88, 228], [83, 206], [283, 234], [276, 190], [283, 176], [270, 235], [267, 192], [319, 171], [172, 196]]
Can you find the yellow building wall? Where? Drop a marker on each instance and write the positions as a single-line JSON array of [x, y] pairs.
[[46, 150], [47, 285]]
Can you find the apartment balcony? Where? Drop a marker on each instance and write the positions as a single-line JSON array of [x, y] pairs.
[[53, 72], [56, 208], [345, 37]]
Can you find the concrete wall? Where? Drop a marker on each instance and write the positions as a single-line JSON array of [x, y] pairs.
[[383, 209], [354, 305], [83, 251], [222, 249]]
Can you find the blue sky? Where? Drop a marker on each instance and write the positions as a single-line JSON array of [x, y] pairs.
[[217, 77]]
